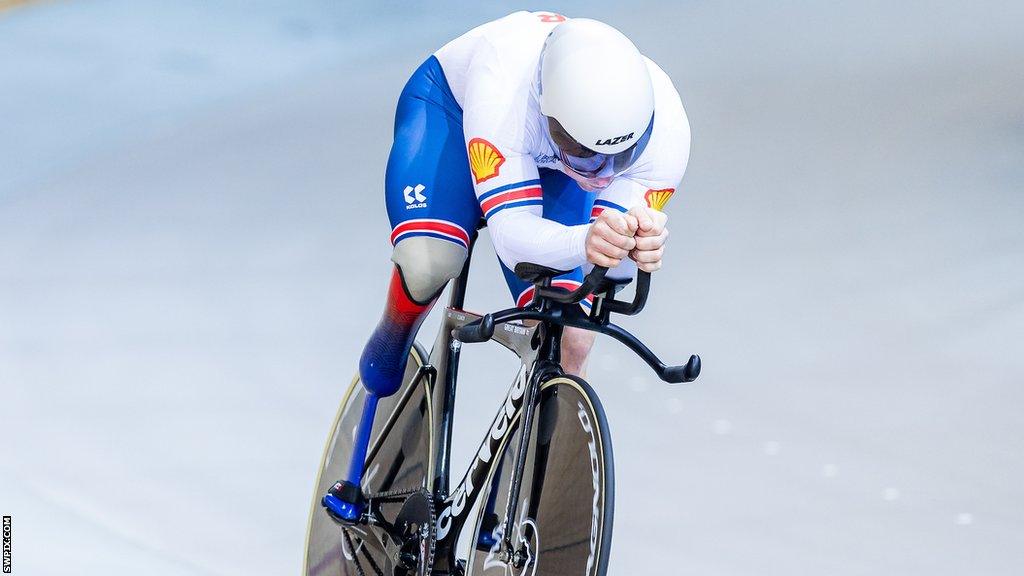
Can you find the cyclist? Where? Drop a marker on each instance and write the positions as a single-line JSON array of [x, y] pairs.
[[560, 134]]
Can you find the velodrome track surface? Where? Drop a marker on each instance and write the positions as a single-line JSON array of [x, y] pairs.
[[193, 248]]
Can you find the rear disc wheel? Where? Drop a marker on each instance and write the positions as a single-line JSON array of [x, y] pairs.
[[396, 461]]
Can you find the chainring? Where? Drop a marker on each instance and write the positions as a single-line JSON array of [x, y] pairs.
[[412, 554]]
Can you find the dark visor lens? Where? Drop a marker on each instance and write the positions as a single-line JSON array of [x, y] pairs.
[[589, 163], [567, 143]]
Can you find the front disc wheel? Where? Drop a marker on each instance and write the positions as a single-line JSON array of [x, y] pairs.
[[563, 522]]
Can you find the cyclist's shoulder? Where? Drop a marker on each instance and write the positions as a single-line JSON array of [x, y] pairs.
[[502, 52], [669, 114], [499, 97], [663, 161]]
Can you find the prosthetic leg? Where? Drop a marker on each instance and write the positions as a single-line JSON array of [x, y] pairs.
[[423, 266]]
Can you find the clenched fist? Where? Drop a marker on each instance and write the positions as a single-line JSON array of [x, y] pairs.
[[650, 238], [611, 238]]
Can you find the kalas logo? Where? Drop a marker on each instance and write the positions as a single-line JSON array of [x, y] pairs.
[[616, 140], [414, 197]]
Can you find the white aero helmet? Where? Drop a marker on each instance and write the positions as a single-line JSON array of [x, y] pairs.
[[596, 94]]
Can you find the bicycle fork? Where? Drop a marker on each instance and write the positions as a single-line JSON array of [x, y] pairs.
[[551, 354]]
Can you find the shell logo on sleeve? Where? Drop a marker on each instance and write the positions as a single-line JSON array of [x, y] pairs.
[[658, 198], [484, 159]]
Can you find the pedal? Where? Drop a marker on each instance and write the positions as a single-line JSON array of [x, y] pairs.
[[343, 503]]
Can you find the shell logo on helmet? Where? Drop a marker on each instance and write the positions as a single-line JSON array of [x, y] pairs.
[[658, 198], [484, 159]]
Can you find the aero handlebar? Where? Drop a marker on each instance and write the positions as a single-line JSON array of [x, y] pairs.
[[595, 282]]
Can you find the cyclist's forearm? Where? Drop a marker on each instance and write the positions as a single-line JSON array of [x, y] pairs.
[[522, 236]]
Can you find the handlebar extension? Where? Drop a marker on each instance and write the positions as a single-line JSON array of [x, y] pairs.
[[685, 373], [591, 282]]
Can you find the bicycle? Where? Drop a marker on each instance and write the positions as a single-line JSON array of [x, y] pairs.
[[542, 481]]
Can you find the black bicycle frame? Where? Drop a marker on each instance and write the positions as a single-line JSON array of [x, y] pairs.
[[539, 349], [540, 355]]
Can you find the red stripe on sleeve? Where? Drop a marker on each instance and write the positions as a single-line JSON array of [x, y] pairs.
[[510, 196]]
